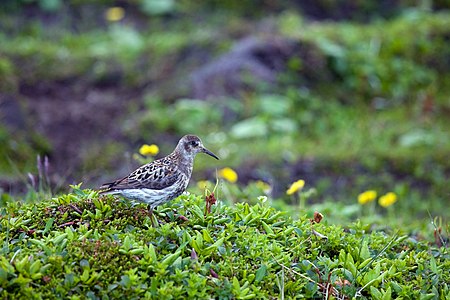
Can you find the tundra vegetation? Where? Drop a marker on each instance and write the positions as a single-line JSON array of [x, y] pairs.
[[331, 121]]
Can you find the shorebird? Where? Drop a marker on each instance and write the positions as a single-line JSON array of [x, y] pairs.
[[162, 180]]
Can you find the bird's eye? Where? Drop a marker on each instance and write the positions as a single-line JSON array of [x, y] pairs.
[[194, 143]]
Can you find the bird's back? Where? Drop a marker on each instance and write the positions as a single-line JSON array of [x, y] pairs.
[[153, 183]]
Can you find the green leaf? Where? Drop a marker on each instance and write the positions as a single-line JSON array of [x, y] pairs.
[[196, 246], [427, 296], [150, 251], [48, 225], [127, 243], [77, 190], [20, 264], [236, 285], [84, 263], [199, 241], [98, 204], [207, 237], [169, 259], [42, 245], [6, 266], [219, 242], [20, 280], [364, 252], [376, 294], [69, 233], [36, 276], [433, 265], [247, 218], [197, 212], [261, 273], [387, 294], [267, 228], [208, 250], [125, 281], [350, 264], [221, 220], [35, 266], [364, 263], [137, 251], [59, 238], [85, 276]]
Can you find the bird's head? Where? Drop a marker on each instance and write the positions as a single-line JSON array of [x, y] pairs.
[[190, 145]]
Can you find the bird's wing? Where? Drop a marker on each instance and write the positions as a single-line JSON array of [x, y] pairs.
[[156, 176]]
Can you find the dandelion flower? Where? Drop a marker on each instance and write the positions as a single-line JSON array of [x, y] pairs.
[[388, 199], [114, 14], [295, 186], [147, 150], [367, 196], [228, 174]]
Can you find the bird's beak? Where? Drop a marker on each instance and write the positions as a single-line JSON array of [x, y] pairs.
[[204, 150]]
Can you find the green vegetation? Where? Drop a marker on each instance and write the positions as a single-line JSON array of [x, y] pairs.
[[352, 99], [81, 246]]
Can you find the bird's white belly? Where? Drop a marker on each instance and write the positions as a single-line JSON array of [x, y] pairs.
[[150, 196]]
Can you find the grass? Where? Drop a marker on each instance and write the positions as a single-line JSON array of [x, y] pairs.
[[81, 246]]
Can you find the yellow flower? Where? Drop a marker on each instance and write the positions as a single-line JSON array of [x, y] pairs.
[[149, 150], [114, 14], [295, 186], [228, 174], [388, 199], [204, 184], [367, 196]]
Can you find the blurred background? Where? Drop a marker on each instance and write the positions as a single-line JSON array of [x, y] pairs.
[[349, 96]]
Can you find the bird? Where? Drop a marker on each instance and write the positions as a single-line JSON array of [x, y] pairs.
[[162, 180]]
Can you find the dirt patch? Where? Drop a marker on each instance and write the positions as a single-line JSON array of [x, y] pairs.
[[74, 116]]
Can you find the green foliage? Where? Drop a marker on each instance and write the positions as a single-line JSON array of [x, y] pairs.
[[157, 7], [383, 59], [360, 121], [53, 55], [194, 113], [18, 152], [272, 117], [80, 245]]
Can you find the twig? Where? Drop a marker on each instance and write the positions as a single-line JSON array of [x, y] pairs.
[[324, 237], [76, 209], [67, 224]]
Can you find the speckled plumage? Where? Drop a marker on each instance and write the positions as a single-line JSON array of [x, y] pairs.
[[161, 180]]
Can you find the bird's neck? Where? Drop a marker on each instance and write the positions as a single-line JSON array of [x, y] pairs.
[[185, 163]]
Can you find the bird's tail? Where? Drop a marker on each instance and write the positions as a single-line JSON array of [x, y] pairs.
[[111, 188], [106, 188]]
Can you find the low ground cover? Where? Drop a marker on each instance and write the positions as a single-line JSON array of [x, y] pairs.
[[78, 245]]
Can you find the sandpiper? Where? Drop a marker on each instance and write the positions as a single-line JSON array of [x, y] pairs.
[[162, 180]]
